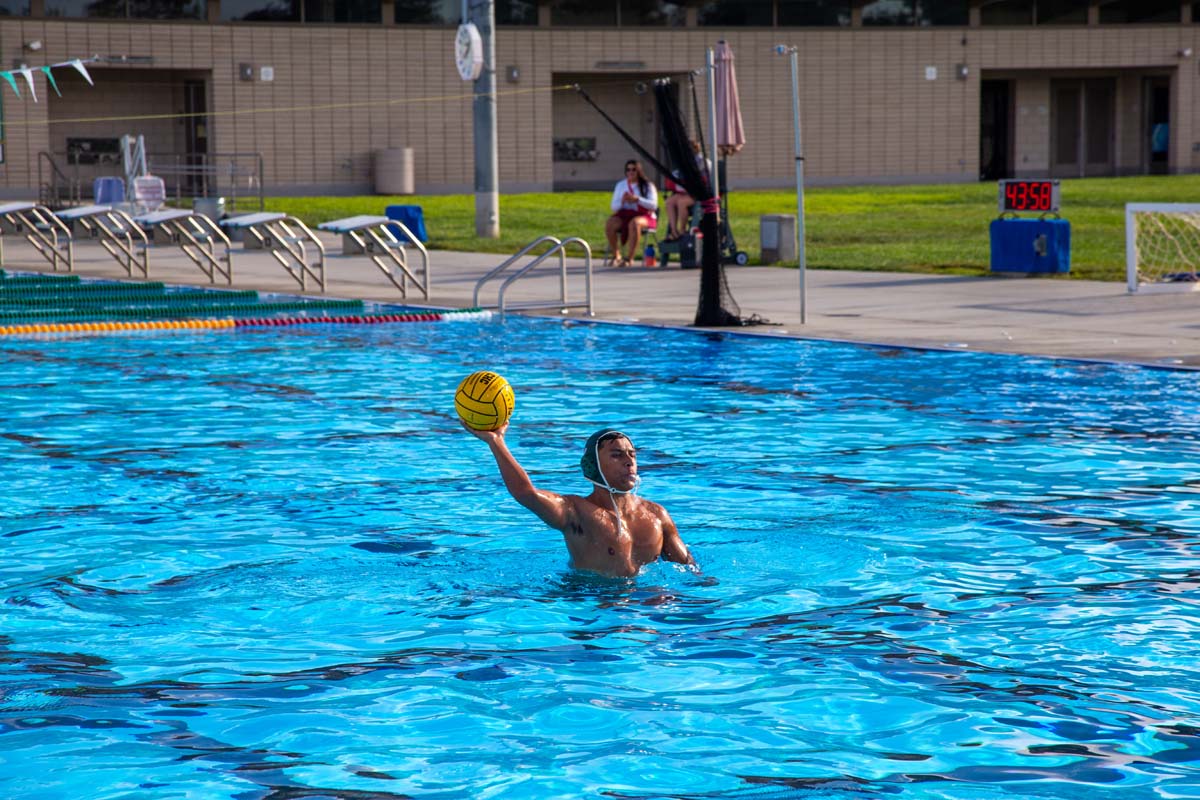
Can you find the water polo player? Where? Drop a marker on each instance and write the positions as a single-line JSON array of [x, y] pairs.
[[612, 531]]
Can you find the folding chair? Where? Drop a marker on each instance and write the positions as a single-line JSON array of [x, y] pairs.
[[649, 237]]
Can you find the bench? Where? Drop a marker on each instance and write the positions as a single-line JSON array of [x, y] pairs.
[[48, 234], [198, 237], [373, 236], [119, 235], [286, 238]]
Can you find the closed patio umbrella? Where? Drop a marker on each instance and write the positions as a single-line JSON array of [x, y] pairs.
[[730, 135]]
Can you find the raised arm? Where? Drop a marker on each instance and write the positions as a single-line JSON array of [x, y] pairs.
[[552, 509], [618, 196], [650, 201]]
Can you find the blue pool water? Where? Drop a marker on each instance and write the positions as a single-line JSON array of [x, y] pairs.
[[269, 564]]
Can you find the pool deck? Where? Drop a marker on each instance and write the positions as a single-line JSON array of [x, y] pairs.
[[1033, 316]]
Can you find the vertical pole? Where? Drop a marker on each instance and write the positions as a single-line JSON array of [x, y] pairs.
[[1131, 254], [487, 184], [799, 188], [712, 130]]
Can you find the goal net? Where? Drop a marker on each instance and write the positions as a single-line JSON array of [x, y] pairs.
[[1162, 247]]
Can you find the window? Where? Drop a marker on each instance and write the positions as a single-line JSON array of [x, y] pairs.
[[516, 12], [449, 12], [1061, 12], [889, 12], [942, 12], [168, 9], [583, 12], [260, 11], [1007, 12], [14, 8], [84, 8], [364, 11], [1037, 12], [128, 9], [343, 11], [1133, 11], [814, 13], [650, 12], [429, 12], [732, 13]]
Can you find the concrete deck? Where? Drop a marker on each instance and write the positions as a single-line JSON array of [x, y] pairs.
[[1032, 316]]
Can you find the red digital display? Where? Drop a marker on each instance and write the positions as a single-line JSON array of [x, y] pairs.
[[1029, 195]]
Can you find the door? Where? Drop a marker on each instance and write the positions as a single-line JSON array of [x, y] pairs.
[[1157, 137], [195, 179], [994, 130], [1081, 127]]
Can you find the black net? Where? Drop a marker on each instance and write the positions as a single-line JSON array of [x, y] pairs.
[[716, 307]]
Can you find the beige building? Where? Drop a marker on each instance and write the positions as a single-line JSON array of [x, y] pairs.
[[296, 97]]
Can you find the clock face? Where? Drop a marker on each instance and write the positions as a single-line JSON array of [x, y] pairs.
[[468, 51], [1029, 195]]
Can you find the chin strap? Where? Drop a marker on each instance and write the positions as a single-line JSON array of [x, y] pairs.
[[612, 493]]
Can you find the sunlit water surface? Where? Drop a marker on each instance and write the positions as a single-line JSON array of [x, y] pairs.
[[269, 564]]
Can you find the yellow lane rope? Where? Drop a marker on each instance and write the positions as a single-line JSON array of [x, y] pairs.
[[104, 327]]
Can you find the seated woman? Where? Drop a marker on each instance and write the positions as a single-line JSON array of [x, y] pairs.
[[635, 211], [679, 204]]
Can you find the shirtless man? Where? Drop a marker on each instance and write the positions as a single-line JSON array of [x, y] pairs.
[[612, 531]]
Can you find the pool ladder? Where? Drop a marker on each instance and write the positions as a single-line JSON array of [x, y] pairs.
[[559, 247]]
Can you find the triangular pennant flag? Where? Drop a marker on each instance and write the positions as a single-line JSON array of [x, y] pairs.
[[28, 73], [77, 64], [50, 80], [8, 77]]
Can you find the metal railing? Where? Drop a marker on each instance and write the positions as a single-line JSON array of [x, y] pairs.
[[38, 225], [238, 177], [558, 247], [55, 188], [65, 178]]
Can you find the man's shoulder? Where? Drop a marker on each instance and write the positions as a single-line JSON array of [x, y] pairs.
[[653, 507]]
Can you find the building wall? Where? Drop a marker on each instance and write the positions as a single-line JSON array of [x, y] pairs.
[[870, 112]]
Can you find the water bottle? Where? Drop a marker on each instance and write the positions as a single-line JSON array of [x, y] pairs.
[[648, 258]]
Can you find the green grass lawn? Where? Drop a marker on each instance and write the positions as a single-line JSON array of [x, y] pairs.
[[939, 229]]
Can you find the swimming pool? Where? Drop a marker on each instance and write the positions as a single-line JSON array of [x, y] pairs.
[[268, 564]]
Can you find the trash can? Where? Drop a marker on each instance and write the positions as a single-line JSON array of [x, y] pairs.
[[1031, 246], [777, 237], [394, 171], [211, 207]]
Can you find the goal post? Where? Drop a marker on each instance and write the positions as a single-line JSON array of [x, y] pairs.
[[1162, 247]]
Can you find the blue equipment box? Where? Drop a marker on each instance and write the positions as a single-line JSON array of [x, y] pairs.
[[109, 190], [1031, 245], [413, 218]]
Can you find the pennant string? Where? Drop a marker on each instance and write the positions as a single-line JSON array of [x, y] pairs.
[[77, 64], [8, 77], [50, 80], [28, 74]]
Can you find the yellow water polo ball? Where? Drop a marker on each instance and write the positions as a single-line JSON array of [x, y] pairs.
[[484, 401]]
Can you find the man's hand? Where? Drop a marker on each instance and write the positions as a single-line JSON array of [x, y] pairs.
[[486, 436]]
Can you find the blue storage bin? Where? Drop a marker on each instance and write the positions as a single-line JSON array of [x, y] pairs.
[[412, 216], [1031, 245], [107, 191]]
